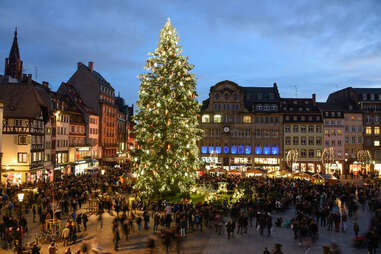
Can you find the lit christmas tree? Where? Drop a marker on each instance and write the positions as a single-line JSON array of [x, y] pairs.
[[165, 157]]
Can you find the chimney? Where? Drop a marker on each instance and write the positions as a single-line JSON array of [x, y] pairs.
[[314, 97], [45, 84], [78, 65], [275, 85], [91, 66]]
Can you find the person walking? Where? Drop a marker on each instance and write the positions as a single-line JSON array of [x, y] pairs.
[[84, 221], [356, 228], [65, 235], [277, 249], [52, 248], [116, 239]]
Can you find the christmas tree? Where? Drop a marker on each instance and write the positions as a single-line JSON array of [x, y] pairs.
[[165, 156]]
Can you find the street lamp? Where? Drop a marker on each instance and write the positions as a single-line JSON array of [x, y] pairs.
[[20, 197]]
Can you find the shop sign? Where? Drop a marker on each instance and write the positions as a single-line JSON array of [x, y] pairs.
[[209, 159]]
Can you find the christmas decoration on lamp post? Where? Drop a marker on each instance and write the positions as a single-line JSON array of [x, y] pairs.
[[166, 157]]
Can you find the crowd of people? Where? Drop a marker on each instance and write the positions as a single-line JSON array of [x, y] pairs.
[[318, 207]]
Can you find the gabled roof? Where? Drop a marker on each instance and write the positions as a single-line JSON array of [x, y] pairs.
[[98, 77], [23, 100], [299, 105]]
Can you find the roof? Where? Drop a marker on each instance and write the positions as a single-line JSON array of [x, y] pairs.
[[23, 100], [14, 53], [324, 106], [205, 104], [299, 105], [260, 94], [100, 79]]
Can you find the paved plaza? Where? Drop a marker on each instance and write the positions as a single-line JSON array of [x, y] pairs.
[[208, 242]]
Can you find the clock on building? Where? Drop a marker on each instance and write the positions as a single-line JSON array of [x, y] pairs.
[[226, 129]]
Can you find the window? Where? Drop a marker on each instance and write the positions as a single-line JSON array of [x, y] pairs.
[[318, 153], [339, 142], [205, 119], [311, 153], [377, 130], [353, 140], [295, 141], [288, 141], [258, 107], [303, 129], [376, 143], [247, 119], [326, 132], [303, 141], [22, 157], [359, 140], [296, 128], [311, 141], [318, 129], [72, 129], [339, 132], [303, 153], [311, 129], [318, 141], [217, 119], [22, 140], [368, 130]]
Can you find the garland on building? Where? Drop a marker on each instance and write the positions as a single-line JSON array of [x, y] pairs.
[[165, 157]]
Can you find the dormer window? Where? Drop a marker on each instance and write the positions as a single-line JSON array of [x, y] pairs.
[[217, 96], [295, 102], [364, 97], [372, 97], [226, 96], [205, 118], [306, 102], [300, 109], [259, 107]]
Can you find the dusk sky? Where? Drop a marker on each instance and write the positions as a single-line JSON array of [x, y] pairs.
[[314, 46]]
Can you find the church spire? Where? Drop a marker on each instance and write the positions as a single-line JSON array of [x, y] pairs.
[[13, 64]]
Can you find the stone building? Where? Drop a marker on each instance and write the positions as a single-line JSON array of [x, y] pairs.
[[303, 133], [242, 127], [98, 95]]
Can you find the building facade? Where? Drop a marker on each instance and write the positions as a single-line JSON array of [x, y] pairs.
[[99, 96], [303, 133], [242, 127], [334, 151], [368, 102], [353, 141]]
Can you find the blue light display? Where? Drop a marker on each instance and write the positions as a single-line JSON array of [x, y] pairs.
[[266, 150], [248, 149], [275, 150], [211, 149], [204, 149], [258, 150], [226, 149], [234, 149], [218, 149], [240, 149]]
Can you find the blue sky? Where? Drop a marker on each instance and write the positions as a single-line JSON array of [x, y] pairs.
[[305, 46]]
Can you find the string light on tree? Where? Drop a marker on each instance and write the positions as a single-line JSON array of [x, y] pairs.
[[166, 121]]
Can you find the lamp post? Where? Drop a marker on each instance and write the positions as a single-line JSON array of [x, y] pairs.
[[20, 197]]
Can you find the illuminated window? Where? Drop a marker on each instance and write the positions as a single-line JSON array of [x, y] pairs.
[[217, 119], [234, 149], [326, 132], [204, 149], [211, 149], [266, 150], [376, 130], [376, 143], [339, 132], [368, 130], [248, 149], [218, 149], [240, 149], [22, 157], [258, 150], [318, 153], [275, 150], [226, 149], [247, 119], [205, 119]]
